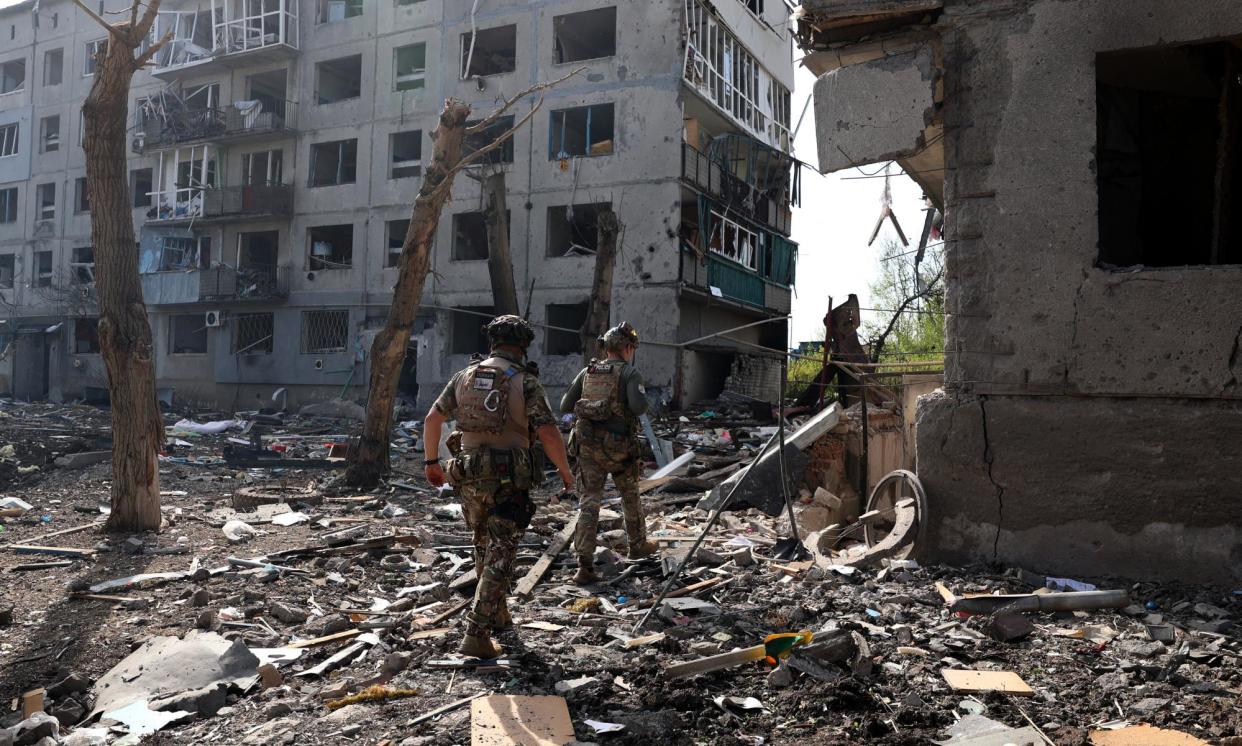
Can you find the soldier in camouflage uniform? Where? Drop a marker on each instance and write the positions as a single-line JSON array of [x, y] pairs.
[[497, 402], [608, 397]]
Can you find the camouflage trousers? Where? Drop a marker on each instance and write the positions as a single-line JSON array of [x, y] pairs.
[[496, 542], [598, 458]]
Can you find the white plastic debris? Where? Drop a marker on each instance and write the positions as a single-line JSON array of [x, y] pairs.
[[600, 727], [238, 531], [289, 519], [15, 502]]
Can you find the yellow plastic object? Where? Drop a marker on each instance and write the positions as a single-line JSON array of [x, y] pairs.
[[777, 647]]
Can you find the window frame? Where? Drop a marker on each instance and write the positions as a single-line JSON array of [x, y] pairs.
[[57, 54], [590, 109], [418, 76], [10, 139], [21, 86], [394, 165], [465, 52], [46, 144], [557, 19], [93, 48], [305, 347], [9, 201], [319, 80], [392, 258], [41, 209], [263, 346], [314, 170], [172, 334]]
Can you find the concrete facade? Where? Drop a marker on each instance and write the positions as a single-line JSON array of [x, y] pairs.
[[657, 105], [1087, 410]]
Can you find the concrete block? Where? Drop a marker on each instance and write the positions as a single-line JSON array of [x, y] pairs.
[[874, 111]]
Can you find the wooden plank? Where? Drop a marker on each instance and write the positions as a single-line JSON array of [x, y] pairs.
[[715, 662], [105, 597], [63, 532], [1007, 682], [702, 585], [427, 634], [55, 551], [644, 640], [647, 485], [326, 639], [32, 702], [452, 610], [1144, 735], [527, 584], [502, 720]]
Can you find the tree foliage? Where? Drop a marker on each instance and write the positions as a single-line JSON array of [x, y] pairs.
[[911, 292]]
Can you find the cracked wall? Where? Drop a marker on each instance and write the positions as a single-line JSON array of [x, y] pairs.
[[1089, 413]]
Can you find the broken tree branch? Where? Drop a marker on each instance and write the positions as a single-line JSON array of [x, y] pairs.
[[490, 119]]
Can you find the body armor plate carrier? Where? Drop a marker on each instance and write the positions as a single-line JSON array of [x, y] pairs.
[[483, 399], [601, 393]]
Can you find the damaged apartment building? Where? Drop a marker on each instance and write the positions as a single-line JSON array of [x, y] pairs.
[[277, 147], [1087, 158]]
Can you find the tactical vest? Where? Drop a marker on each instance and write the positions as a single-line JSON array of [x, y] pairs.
[[491, 405], [601, 393]]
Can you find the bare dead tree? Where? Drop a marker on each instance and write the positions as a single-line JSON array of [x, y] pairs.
[[369, 459], [124, 330], [600, 309]]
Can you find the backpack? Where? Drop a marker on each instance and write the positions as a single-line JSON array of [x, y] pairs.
[[483, 398]]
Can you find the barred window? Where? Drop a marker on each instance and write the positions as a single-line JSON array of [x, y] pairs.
[[324, 331], [252, 334]]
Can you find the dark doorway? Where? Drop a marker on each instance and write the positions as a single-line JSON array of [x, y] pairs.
[[30, 366], [407, 384]]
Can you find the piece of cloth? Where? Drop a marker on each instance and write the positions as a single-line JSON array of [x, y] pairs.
[[495, 542], [634, 396], [598, 458]]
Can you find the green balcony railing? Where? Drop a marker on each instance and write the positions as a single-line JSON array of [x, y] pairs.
[[735, 282]]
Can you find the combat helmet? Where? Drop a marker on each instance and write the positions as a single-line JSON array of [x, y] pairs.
[[621, 334], [509, 330]]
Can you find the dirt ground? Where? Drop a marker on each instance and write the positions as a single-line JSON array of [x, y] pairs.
[[1088, 670]]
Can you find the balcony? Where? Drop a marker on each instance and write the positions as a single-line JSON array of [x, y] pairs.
[[220, 284], [166, 128], [766, 204], [232, 33], [256, 200]]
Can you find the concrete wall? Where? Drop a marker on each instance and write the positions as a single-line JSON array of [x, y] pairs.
[[1083, 426]]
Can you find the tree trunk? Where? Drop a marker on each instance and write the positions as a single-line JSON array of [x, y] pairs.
[[124, 330], [499, 258], [601, 287], [369, 461]]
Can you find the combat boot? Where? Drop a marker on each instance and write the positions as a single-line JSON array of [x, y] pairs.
[[481, 647], [585, 575], [645, 548]]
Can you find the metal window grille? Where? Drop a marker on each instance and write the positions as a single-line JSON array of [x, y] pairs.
[[252, 334], [324, 331]]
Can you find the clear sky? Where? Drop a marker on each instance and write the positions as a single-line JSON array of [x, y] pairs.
[[837, 216]]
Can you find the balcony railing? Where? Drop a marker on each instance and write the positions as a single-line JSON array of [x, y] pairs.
[[706, 175], [232, 122], [215, 285], [263, 30], [255, 199], [245, 283]]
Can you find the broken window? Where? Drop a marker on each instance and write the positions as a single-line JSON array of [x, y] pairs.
[[334, 163], [331, 11], [265, 168], [410, 67], [81, 197], [467, 325], [252, 334], [734, 241], [94, 49], [8, 265], [324, 331], [8, 140], [141, 182], [257, 250], [185, 252], [485, 137], [410, 2], [407, 154], [49, 134], [573, 230], [754, 6], [8, 205], [1169, 150], [83, 265], [187, 334], [42, 269], [12, 76], [86, 336], [588, 35], [331, 247], [581, 131], [491, 51], [566, 316], [45, 201], [470, 236], [396, 230], [53, 67], [338, 80]]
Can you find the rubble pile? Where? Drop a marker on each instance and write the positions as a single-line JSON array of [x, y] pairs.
[[271, 610]]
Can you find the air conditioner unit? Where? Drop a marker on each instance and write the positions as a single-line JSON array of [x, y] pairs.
[[139, 144], [213, 318]]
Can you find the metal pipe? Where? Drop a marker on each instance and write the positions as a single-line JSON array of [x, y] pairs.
[[1073, 601]]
